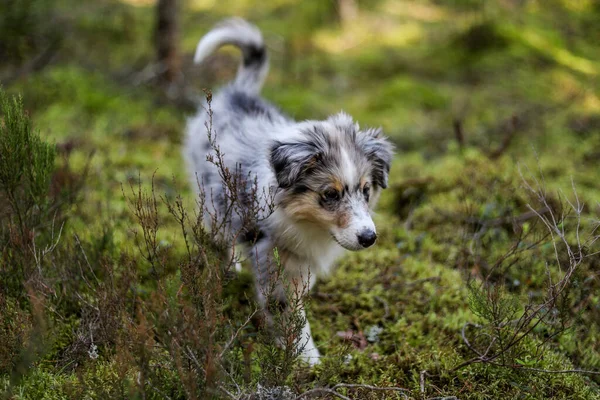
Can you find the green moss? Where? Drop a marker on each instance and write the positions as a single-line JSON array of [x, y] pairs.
[[44, 385]]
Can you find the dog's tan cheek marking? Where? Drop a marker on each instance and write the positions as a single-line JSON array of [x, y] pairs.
[[306, 207]]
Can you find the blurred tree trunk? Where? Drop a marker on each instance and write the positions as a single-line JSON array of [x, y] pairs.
[[167, 37]]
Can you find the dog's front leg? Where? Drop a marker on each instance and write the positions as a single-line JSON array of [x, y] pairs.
[[310, 353], [302, 281], [281, 286]]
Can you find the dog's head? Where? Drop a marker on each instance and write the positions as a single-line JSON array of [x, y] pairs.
[[332, 175]]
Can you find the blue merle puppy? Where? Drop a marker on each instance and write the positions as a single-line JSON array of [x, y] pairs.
[[325, 176]]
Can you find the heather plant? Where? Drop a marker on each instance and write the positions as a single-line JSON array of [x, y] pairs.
[[26, 166], [26, 233], [172, 334], [197, 338], [516, 330]]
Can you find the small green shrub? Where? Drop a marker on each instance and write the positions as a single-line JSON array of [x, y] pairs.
[[26, 167]]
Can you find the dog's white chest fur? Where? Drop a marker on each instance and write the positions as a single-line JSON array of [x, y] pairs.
[[309, 242]]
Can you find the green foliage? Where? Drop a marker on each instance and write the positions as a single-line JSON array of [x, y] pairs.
[[493, 305], [44, 386], [26, 166], [26, 162]]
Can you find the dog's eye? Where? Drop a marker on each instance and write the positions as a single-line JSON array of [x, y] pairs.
[[331, 195], [367, 191]]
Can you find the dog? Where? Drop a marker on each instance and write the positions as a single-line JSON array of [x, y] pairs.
[[325, 176]]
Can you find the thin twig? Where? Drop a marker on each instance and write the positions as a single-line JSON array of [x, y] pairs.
[[386, 307], [422, 382], [86, 259], [443, 398], [332, 390], [459, 133], [317, 391], [368, 387], [228, 393], [506, 140], [237, 332], [549, 371]]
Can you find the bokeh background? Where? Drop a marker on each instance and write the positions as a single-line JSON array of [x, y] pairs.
[[478, 96]]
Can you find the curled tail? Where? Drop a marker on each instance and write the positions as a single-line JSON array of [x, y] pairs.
[[253, 70]]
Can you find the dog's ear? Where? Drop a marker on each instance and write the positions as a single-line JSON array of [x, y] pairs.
[[290, 160], [379, 151]]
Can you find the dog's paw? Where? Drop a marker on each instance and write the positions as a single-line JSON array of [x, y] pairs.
[[310, 353]]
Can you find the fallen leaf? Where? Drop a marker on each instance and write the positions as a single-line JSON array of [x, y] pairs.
[[358, 339]]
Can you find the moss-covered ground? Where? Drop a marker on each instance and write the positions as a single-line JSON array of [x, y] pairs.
[[479, 97]]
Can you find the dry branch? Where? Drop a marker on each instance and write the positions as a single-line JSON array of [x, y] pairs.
[[332, 390]]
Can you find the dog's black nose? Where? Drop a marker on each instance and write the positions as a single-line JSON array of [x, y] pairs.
[[366, 238]]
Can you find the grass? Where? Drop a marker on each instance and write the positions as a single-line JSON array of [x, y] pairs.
[[386, 314]]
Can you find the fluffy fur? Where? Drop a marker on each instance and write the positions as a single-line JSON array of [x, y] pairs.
[[325, 176]]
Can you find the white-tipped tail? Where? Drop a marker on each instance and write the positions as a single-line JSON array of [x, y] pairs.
[[238, 32]]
